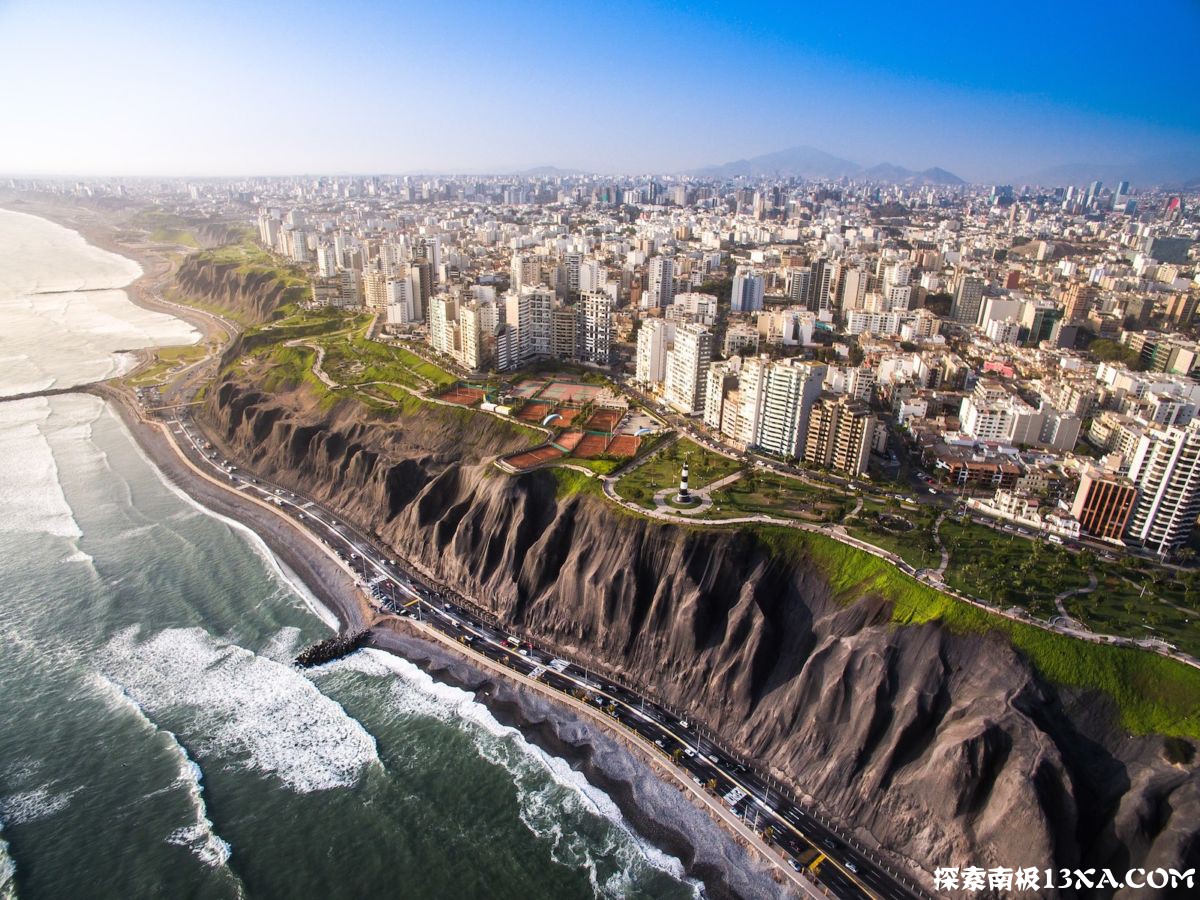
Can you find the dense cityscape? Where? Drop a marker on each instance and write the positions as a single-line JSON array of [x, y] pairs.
[[1031, 347]]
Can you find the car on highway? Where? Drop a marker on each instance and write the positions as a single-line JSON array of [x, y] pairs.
[[852, 867]]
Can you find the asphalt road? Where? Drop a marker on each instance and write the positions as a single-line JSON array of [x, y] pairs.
[[834, 861]]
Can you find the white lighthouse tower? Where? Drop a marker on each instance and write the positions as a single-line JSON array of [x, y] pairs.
[[684, 495]]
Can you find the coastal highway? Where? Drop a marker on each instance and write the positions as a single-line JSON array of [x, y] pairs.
[[838, 865]]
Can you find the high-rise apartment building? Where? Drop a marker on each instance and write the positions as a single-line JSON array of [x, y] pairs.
[[660, 287], [1080, 298], [529, 311], [789, 390], [747, 291], [824, 280], [597, 327], [839, 434], [525, 271], [687, 366], [1103, 504], [799, 284], [564, 332], [967, 299], [443, 325], [852, 288], [1165, 468], [655, 338]]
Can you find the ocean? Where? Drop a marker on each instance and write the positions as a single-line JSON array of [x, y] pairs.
[[155, 740]]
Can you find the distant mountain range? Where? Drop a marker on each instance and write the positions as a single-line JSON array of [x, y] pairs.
[[809, 162], [1175, 170]]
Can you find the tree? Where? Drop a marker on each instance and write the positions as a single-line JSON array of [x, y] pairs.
[[1111, 351]]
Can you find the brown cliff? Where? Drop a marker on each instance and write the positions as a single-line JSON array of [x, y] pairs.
[[944, 748]]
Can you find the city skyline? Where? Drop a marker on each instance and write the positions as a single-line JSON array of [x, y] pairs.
[[167, 90]]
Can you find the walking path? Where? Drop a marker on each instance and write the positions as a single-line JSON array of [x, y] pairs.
[[930, 577], [703, 494], [937, 536], [1072, 592]]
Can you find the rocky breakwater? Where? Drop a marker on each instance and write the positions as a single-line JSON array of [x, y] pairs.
[[942, 745]]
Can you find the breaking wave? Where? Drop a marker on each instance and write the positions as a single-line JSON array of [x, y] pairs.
[[246, 709], [199, 835], [553, 797]]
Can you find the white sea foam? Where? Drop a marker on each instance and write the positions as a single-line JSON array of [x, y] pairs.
[[32, 805], [30, 493], [21, 769], [548, 789], [250, 711], [8, 868], [198, 835], [283, 645], [55, 334]]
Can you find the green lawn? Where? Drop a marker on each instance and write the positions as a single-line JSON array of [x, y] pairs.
[[769, 493], [570, 483], [663, 469], [1137, 604], [1153, 694], [599, 466], [915, 547], [424, 368], [165, 360], [1009, 570]]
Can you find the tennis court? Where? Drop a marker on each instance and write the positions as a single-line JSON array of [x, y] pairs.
[[624, 445], [603, 420], [571, 392], [463, 396], [592, 446], [527, 388], [535, 457]]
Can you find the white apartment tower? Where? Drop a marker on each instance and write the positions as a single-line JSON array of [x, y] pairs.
[[1165, 468], [747, 291], [529, 311], [687, 366], [655, 338], [597, 327], [789, 391], [660, 289]]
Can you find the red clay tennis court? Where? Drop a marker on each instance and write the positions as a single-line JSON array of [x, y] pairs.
[[569, 440], [624, 445], [568, 414], [591, 446], [463, 396], [535, 457], [534, 412], [604, 420]]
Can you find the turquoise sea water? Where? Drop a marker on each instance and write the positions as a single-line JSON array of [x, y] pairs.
[[156, 742]]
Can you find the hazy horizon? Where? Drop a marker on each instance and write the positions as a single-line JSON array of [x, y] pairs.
[[231, 90]]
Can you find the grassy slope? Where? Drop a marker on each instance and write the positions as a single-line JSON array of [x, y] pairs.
[[1153, 694]]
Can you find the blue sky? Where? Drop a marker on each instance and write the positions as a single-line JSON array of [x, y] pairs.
[[988, 90]]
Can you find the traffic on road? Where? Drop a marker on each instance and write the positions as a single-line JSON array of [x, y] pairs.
[[833, 862]]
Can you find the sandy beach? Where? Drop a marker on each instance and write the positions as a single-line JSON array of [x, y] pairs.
[[678, 819]]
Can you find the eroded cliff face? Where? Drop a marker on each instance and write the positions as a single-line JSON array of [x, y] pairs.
[[945, 749], [255, 294]]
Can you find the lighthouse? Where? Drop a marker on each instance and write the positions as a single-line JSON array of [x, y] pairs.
[[684, 496]]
